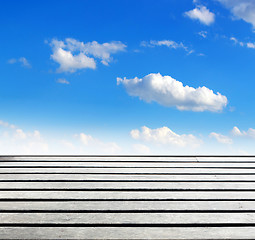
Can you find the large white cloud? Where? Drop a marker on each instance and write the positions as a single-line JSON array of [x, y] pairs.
[[241, 9], [165, 136], [202, 14], [169, 92], [73, 55]]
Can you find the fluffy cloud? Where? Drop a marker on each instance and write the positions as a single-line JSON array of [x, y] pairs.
[[202, 14], [249, 133], [169, 92], [165, 136], [73, 55], [221, 138], [241, 9], [22, 60]]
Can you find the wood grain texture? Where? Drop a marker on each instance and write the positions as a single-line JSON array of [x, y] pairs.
[[127, 197]]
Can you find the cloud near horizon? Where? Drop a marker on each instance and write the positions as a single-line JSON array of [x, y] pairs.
[[238, 133], [165, 136], [221, 138], [169, 92]]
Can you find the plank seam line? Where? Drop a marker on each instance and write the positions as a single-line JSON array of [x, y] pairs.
[[126, 211], [123, 190], [168, 181], [106, 173], [177, 225], [125, 200], [100, 167]]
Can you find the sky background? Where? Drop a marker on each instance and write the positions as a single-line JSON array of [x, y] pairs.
[[127, 77]]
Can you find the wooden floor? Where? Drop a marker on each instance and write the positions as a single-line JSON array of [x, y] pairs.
[[127, 197]]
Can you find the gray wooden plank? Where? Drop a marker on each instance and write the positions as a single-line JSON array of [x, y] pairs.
[[204, 233], [20, 177], [128, 170], [225, 158], [128, 185], [126, 218], [128, 205], [129, 164], [17, 194], [103, 158]]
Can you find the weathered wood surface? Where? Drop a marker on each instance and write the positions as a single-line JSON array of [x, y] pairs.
[[117, 197]]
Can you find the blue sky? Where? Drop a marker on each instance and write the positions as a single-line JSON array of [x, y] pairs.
[[127, 77]]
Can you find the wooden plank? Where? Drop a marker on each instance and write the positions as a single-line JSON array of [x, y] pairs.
[[121, 177], [126, 218], [109, 195], [191, 171], [96, 159], [176, 233], [129, 205], [129, 185], [43, 164]]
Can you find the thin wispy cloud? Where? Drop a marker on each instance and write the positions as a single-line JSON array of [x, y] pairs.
[[169, 92], [63, 81], [203, 34], [243, 44], [221, 138], [166, 43], [22, 60]]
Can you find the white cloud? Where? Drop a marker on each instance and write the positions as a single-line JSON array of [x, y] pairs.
[[141, 149], [250, 45], [22, 60], [165, 136], [73, 55], [241, 9], [19, 134], [202, 14], [167, 43], [6, 124], [221, 138], [203, 34], [238, 133], [63, 81], [243, 44], [169, 92], [94, 145], [15, 140]]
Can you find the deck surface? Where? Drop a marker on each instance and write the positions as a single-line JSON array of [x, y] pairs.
[[127, 197]]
